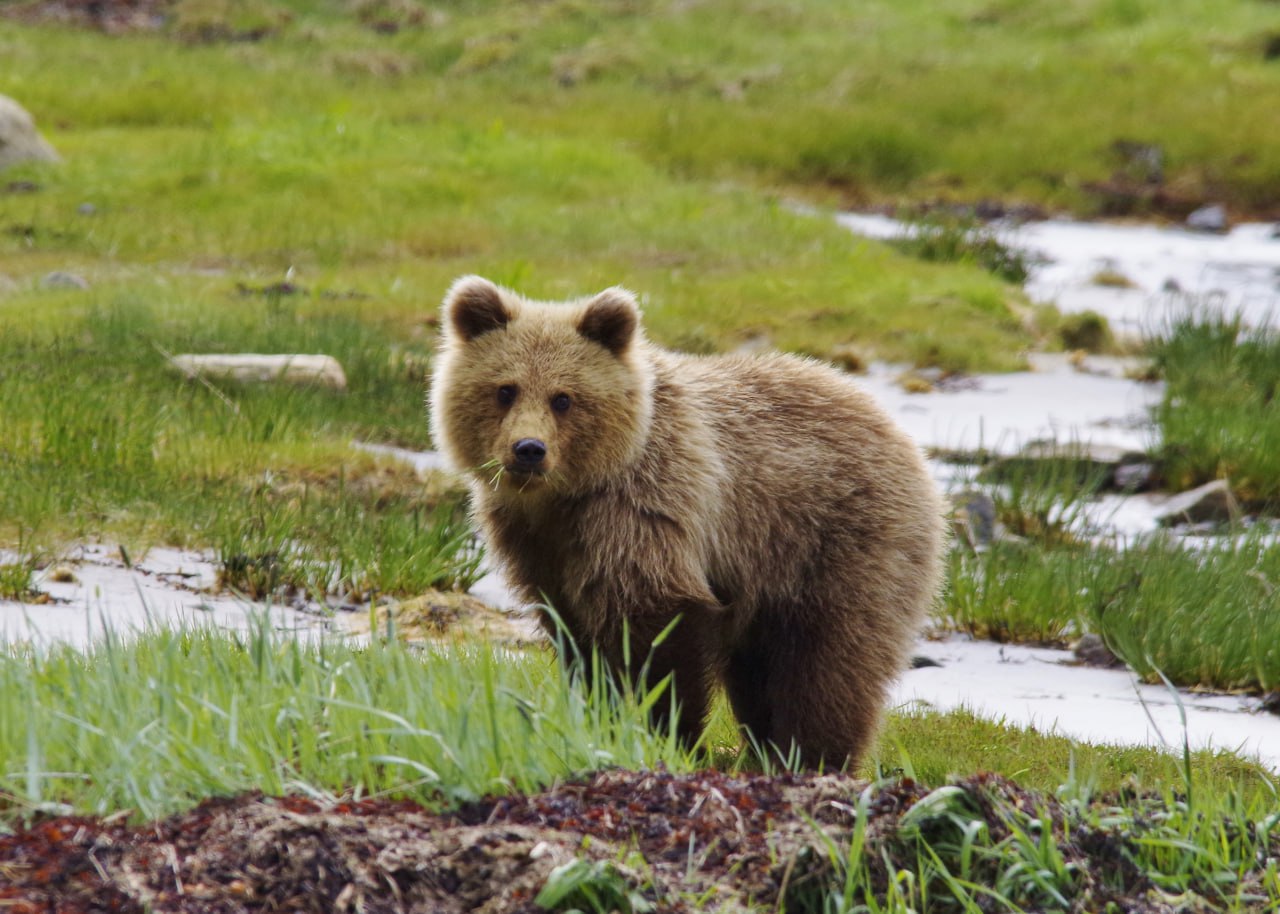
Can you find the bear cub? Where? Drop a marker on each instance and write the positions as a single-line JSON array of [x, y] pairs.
[[762, 499]]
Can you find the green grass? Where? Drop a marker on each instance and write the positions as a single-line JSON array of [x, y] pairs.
[[983, 844], [948, 238], [180, 715], [1143, 598], [1220, 415], [102, 438], [393, 186]]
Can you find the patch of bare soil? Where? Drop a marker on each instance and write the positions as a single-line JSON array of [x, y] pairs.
[[705, 841]]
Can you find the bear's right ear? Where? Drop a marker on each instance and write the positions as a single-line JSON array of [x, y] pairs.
[[474, 306]]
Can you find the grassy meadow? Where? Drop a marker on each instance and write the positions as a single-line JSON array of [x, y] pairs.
[[310, 177]]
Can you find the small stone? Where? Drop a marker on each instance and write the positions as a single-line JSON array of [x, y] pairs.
[[1211, 503], [1211, 218], [974, 518], [324, 370], [1134, 477], [920, 662], [86, 209], [60, 279], [1091, 650], [20, 141]]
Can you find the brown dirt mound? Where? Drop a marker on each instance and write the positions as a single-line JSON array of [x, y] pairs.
[[736, 839], [663, 842]]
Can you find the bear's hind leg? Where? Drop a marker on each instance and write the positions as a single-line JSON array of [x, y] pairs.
[[795, 686], [746, 682]]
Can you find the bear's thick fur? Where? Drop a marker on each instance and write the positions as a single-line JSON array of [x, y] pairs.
[[763, 499]]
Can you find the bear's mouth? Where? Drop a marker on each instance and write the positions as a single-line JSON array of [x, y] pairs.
[[523, 475]]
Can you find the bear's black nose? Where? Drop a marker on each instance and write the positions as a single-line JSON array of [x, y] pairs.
[[529, 452]]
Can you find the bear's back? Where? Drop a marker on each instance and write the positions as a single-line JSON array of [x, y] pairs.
[[806, 467]]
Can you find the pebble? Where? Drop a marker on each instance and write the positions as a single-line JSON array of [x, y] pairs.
[[60, 279]]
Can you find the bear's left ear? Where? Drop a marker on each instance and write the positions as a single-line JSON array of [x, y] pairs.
[[611, 319]]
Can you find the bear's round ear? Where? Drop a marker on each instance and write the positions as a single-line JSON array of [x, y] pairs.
[[474, 306], [610, 319]]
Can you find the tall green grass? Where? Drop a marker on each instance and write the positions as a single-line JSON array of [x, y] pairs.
[[982, 844], [156, 724], [1200, 615], [1220, 415]]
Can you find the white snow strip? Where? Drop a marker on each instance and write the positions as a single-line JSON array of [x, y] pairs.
[[1168, 270], [1036, 687], [1002, 413]]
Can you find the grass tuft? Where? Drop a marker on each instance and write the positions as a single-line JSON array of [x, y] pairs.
[[1220, 416]]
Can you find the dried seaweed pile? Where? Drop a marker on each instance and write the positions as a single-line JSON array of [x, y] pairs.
[[663, 842]]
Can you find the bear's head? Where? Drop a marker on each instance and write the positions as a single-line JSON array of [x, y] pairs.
[[531, 398]]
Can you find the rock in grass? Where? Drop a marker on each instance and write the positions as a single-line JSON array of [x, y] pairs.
[[1209, 503], [1091, 650], [323, 370], [974, 518], [1211, 218], [1134, 477], [60, 279], [20, 141]]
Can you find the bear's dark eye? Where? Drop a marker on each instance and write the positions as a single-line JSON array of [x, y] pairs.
[[506, 394], [560, 403]]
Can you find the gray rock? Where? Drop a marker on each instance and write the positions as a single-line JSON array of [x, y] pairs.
[[1091, 650], [921, 662], [974, 518], [302, 369], [19, 139], [86, 209], [60, 279], [1143, 162], [1211, 503], [1134, 477], [1211, 218]]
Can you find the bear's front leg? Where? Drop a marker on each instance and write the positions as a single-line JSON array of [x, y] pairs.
[[684, 657]]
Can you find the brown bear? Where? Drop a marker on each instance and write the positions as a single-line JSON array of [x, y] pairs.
[[763, 499]]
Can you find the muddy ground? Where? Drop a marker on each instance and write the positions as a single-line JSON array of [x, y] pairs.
[[645, 841]]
